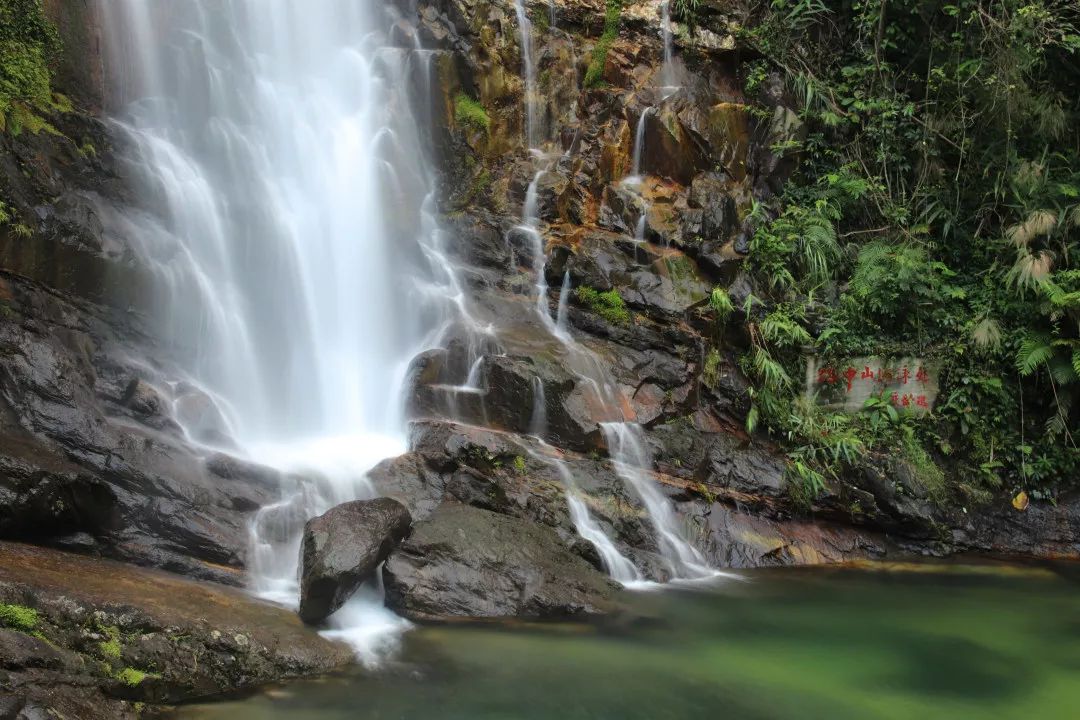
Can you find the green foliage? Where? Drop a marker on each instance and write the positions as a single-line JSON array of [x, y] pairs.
[[132, 677], [18, 617], [935, 212], [540, 18], [720, 301], [110, 648], [710, 373], [28, 43], [594, 73], [470, 113], [608, 305], [686, 11], [519, 465]]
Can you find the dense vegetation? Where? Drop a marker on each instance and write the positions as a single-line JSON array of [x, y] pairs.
[[28, 43], [935, 212]]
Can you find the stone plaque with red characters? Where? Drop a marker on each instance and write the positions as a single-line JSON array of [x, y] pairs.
[[908, 383]]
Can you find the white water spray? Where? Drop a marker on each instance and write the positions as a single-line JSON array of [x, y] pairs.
[[528, 63], [632, 463], [667, 72], [276, 143]]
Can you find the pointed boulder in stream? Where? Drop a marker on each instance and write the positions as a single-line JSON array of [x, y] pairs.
[[342, 549]]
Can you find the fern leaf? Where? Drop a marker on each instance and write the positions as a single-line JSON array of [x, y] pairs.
[[1034, 351]]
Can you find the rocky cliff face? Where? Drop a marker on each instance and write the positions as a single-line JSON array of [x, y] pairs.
[[94, 456]]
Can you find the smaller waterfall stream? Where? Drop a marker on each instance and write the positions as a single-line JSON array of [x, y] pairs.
[[564, 302], [639, 146], [667, 72], [628, 456], [618, 566], [528, 62], [632, 462]]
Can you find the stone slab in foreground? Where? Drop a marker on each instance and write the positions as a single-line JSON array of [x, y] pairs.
[[88, 638]]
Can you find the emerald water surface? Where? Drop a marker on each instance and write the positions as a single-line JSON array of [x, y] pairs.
[[910, 642]]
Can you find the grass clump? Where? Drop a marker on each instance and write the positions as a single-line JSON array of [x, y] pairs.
[[519, 465], [607, 305], [18, 617], [471, 113], [594, 74]]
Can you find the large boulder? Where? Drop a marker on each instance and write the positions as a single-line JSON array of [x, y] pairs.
[[342, 548], [465, 562]]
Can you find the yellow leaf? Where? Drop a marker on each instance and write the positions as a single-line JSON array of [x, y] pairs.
[[1021, 501]]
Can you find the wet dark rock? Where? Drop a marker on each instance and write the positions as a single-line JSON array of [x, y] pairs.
[[898, 492], [710, 193], [465, 562], [19, 651], [469, 487], [341, 550], [409, 480], [671, 149], [86, 449], [744, 467]]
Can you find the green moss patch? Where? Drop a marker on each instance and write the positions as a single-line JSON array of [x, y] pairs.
[[607, 305], [594, 74], [18, 617], [110, 648], [132, 677], [470, 113]]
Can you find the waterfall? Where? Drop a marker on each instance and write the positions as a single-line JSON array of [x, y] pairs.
[[639, 146], [632, 463], [290, 204], [528, 63], [616, 564], [538, 422], [667, 72], [564, 302]]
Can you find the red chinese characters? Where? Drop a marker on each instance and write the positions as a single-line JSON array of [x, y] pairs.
[[880, 378], [826, 375]]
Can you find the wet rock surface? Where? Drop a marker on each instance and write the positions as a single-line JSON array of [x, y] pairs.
[[106, 636], [342, 548], [465, 562]]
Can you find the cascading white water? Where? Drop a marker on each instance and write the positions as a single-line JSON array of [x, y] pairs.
[[528, 63], [667, 71], [564, 304], [617, 565], [538, 421], [639, 147], [292, 206], [631, 461]]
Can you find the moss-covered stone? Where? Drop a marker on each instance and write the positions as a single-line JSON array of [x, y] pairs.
[[18, 617]]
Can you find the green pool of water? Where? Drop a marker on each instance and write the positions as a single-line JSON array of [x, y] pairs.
[[912, 642]]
